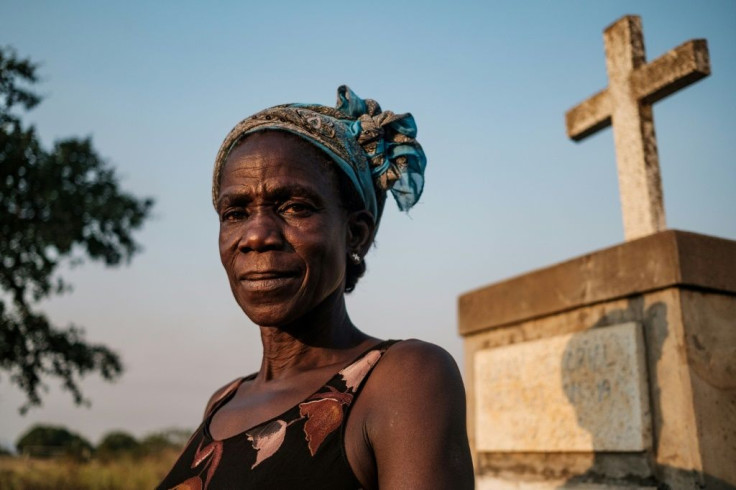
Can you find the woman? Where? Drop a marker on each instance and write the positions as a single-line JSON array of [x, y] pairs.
[[299, 190]]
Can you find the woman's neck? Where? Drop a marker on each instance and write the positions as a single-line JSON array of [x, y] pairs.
[[316, 340]]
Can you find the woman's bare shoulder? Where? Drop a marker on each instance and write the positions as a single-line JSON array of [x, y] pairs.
[[416, 419], [413, 372], [414, 358]]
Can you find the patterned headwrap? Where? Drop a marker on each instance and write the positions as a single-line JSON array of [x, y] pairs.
[[375, 149]]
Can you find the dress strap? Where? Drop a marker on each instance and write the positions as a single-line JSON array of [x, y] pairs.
[[382, 347], [357, 371], [224, 395]]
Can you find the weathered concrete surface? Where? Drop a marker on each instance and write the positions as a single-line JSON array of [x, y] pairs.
[[577, 392], [674, 70], [709, 322], [683, 294], [627, 105], [648, 312], [562, 469], [666, 259], [500, 484]]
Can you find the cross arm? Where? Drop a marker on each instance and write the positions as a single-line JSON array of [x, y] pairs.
[[672, 71], [589, 116]]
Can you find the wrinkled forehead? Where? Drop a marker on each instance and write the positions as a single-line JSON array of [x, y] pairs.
[[281, 149], [278, 143], [270, 161]]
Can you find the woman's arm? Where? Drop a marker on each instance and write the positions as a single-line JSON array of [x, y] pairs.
[[416, 424]]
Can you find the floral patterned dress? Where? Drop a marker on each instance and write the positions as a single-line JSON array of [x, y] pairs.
[[301, 448]]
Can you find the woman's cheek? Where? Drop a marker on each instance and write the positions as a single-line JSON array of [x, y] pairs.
[[228, 244]]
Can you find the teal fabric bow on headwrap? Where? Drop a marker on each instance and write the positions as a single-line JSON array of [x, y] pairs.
[[376, 150]]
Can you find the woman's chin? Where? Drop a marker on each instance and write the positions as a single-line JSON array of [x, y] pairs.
[[276, 314], [287, 307]]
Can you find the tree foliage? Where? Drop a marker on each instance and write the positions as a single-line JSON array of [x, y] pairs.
[[157, 442], [56, 205], [117, 444], [44, 441]]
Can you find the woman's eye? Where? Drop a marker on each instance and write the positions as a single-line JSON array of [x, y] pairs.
[[296, 209], [233, 215]]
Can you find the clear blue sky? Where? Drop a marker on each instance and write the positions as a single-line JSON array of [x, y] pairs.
[[158, 84]]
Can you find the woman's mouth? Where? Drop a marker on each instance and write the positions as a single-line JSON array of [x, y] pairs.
[[269, 280]]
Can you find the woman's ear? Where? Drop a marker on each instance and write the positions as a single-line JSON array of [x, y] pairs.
[[361, 228]]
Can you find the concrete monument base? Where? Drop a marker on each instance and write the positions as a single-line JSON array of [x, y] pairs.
[[616, 369]]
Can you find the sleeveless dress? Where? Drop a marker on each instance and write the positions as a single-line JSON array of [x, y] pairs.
[[301, 448]]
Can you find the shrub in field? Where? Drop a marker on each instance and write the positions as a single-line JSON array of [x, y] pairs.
[[44, 441], [168, 439], [118, 444]]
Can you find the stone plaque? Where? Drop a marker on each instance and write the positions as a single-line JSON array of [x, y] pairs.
[[578, 392]]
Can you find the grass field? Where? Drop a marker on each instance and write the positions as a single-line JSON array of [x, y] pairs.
[[20, 473]]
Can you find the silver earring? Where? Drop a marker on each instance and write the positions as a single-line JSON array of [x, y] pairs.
[[355, 258]]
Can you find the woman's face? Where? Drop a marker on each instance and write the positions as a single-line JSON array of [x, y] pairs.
[[283, 233]]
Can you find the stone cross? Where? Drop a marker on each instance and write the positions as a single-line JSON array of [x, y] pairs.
[[626, 104]]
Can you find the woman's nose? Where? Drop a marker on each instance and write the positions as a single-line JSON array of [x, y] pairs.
[[262, 232]]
